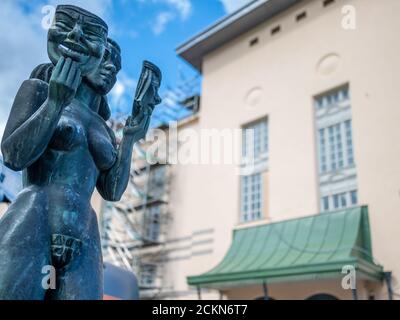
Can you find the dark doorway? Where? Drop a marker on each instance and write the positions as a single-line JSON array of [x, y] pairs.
[[322, 296]]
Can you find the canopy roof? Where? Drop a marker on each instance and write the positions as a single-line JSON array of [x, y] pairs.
[[307, 248]]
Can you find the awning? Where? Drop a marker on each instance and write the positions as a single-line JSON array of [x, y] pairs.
[[313, 247]]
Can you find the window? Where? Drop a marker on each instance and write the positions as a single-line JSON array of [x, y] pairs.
[[334, 98], [157, 176], [325, 205], [152, 224], [332, 149], [322, 147], [336, 165], [339, 201], [147, 278], [251, 197], [354, 197], [255, 156], [335, 140], [255, 141], [349, 142], [157, 181]]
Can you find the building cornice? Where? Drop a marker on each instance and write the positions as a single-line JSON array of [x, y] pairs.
[[230, 27]]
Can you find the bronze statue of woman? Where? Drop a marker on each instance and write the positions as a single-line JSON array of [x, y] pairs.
[[57, 135]]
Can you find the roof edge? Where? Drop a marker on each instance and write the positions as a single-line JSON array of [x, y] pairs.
[[230, 27]]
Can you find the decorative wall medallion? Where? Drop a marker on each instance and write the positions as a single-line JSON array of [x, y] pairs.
[[328, 64], [253, 97]]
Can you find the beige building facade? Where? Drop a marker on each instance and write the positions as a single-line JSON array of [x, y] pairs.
[[317, 81], [278, 70]]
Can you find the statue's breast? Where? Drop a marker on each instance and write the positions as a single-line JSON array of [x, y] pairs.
[[101, 144], [68, 134], [80, 128]]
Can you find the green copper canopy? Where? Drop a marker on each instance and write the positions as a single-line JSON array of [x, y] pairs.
[[313, 247]]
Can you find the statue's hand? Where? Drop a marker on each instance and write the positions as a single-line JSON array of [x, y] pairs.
[[137, 126], [64, 82]]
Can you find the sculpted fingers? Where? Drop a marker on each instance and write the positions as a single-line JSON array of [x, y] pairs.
[[65, 70], [57, 69], [74, 77], [136, 121], [144, 123], [144, 112], [64, 81], [138, 125], [142, 117], [71, 74]]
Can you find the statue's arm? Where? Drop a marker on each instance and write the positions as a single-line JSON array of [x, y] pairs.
[[35, 114], [29, 125], [112, 183]]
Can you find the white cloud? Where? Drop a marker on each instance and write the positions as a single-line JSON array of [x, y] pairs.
[[184, 7], [161, 22], [121, 96], [181, 8], [232, 5], [21, 51]]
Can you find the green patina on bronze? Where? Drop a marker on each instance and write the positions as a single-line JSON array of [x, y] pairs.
[[57, 134]]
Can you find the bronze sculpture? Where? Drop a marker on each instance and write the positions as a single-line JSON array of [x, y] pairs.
[[57, 134]]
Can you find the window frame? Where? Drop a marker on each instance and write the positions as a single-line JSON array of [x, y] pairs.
[[263, 155], [252, 214], [256, 166], [334, 141]]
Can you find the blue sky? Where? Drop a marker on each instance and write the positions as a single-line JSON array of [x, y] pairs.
[[145, 29], [152, 30]]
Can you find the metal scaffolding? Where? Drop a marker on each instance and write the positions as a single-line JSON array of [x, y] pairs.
[[134, 230]]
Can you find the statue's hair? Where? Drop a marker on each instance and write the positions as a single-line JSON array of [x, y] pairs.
[[43, 72], [114, 44]]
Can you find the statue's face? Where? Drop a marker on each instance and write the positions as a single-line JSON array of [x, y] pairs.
[[103, 79], [152, 98], [77, 36]]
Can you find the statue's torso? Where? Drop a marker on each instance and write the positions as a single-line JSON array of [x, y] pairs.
[[81, 148]]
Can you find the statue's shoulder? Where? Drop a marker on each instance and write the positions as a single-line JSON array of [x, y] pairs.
[[37, 84], [31, 95], [34, 88]]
